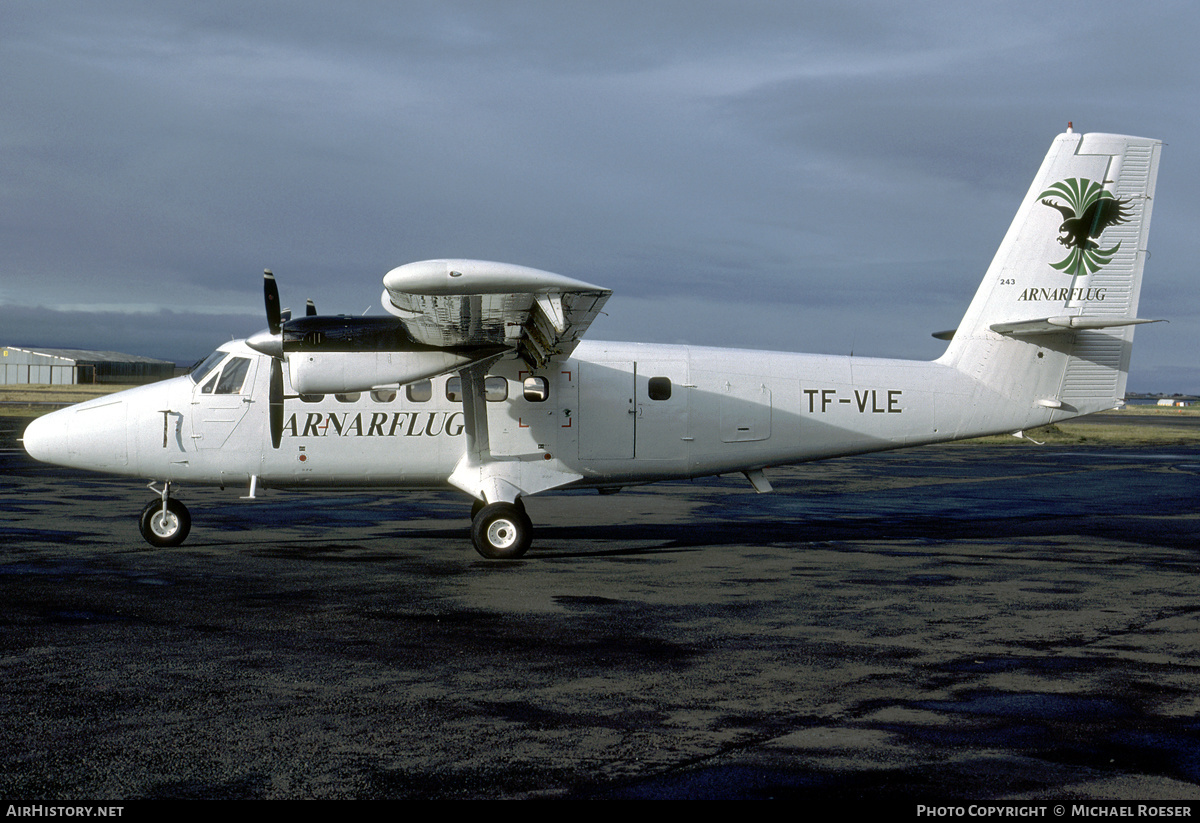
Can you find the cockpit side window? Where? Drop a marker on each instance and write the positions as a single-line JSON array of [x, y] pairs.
[[201, 371], [233, 375]]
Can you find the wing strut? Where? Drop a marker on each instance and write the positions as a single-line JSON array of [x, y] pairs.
[[506, 478], [478, 473], [479, 445]]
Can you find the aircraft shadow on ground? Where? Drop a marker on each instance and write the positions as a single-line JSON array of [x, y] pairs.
[[617, 539]]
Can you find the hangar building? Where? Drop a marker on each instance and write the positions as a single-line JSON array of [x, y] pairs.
[[63, 366]]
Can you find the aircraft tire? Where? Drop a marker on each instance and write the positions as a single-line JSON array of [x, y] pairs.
[[501, 531], [165, 531], [477, 506]]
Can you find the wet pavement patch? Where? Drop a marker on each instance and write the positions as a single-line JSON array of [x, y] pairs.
[[1030, 706], [584, 600]]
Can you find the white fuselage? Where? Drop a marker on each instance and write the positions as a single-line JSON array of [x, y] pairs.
[[615, 414]]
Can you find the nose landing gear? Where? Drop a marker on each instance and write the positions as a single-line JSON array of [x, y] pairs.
[[165, 522]]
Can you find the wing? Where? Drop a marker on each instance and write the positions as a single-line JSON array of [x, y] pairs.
[[448, 303]]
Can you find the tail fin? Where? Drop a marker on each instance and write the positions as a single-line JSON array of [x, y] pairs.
[[1052, 323]]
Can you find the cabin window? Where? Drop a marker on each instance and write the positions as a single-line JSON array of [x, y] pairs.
[[535, 389], [421, 392], [660, 388], [383, 395], [348, 398], [495, 389], [311, 398]]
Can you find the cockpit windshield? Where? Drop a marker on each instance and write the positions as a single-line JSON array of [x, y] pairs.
[[201, 371]]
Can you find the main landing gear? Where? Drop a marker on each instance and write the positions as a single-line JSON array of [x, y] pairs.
[[500, 531], [165, 522]]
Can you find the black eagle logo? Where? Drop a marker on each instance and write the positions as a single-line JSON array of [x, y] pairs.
[[1087, 209], [1078, 231]]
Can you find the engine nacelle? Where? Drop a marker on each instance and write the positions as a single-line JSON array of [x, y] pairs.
[[344, 372]]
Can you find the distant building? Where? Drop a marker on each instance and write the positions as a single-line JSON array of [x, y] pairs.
[[67, 366]]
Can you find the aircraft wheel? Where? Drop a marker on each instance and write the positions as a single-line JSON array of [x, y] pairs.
[[501, 531], [165, 530]]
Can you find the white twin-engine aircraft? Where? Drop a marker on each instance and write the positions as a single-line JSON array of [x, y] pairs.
[[479, 379]]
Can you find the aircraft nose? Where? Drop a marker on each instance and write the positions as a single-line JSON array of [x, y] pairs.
[[88, 436], [45, 439]]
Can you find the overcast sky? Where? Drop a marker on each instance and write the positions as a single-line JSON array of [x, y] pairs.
[[796, 176]]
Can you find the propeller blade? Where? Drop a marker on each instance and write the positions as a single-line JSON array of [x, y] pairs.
[[276, 402], [311, 309], [271, 295]]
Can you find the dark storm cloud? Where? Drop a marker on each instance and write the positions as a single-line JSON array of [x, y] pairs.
[[180, 337], [801, 177]]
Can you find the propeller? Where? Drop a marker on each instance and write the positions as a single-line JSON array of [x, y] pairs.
[[275, 402], [271, 295], [272, 344], [270, 341]]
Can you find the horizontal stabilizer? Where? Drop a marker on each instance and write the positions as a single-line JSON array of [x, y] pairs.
[[1051, 325]]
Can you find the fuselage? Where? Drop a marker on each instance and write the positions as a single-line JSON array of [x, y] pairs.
[[613, 413]]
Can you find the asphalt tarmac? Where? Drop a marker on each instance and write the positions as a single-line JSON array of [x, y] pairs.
[[961, 623]]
